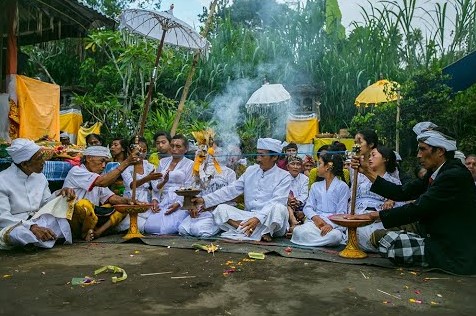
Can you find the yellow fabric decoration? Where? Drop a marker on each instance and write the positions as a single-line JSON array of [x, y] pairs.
[[83, 132], [199, 159], [154, 159], [38, 104], [301, 130], [14, 118], [70, 121]]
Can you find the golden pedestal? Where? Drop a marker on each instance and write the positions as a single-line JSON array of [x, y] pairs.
[[352, 249], [133, 211]]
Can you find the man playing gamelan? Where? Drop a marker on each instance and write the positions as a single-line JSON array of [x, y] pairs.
[[23, 191], [444, 209], [92, 191], [265, 187]]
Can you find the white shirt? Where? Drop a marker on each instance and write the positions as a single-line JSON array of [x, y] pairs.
[[143, 192], [434, 174], [81, 180], [300, 187], [220, 180], [325, 202], [259, 187], [21, 195]]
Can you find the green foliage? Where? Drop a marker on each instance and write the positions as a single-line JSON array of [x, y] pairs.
[[253, 39]]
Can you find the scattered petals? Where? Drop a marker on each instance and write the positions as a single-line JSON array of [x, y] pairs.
[[412, 300]]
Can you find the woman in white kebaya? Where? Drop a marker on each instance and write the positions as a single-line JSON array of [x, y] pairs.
[[146, 178], [326, 198], [382, 161]]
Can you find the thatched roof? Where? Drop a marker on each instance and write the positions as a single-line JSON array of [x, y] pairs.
[[46, 20]]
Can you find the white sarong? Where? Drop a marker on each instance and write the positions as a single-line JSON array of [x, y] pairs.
[[53, 215], [275, 221]]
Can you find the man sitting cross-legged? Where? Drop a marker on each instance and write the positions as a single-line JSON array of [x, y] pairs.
[[23, 191], [92, 191], [265, 187]]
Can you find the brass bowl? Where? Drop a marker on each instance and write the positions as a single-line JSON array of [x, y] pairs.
[[349, 223], [129, 209]]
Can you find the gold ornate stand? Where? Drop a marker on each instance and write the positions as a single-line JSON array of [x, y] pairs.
[[352, 249], [133, 211]]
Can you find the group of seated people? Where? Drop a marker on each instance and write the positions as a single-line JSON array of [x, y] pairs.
[[426, 222]]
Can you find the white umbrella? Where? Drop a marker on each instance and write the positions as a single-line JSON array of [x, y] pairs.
[[168, 29], [268, 97], [155, 25]]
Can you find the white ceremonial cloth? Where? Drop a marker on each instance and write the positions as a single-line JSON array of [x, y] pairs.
[[266, 194], [81, 180], [204, 225], [323, 203]]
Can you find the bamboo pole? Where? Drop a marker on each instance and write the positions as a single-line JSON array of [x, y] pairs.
[[191, 72], [356, 150], [397, 130], [151, 85]]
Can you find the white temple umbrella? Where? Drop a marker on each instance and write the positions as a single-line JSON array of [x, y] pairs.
[[268, 97], [168, 29]]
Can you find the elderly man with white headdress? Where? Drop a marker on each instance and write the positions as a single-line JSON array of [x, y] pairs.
[[23, 191], [265, 187], [90, 220], [444, 210]]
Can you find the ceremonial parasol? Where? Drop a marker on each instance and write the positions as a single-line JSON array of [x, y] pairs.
[[382, 91], [163, 26], [268, 97]]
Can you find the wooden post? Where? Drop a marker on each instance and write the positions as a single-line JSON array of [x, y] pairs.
[[397, 130], [191, 72]]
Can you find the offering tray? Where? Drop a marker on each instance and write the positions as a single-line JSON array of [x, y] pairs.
[[188, 194]]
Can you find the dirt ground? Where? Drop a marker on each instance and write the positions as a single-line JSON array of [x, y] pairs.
[[38, 282]]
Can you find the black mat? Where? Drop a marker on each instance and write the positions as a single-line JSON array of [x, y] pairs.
[[278, 246]]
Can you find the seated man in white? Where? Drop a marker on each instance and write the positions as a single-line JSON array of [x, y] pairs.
[[167, 212], [23, 191], [299, 192], [94, 214], [265, 187], [200, 223]]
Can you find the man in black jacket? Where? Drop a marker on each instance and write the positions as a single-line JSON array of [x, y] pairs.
[[444, 209]]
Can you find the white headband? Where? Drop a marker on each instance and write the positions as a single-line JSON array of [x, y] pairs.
[[437, 139], [269, 144], [97, 151], [22, 149]]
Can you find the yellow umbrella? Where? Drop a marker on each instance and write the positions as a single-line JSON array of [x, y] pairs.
[[381, 91]]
